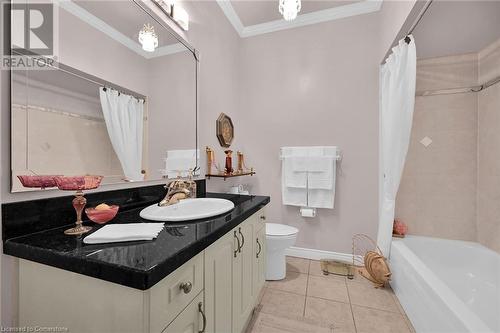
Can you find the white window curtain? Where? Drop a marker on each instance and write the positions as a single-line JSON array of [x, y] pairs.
[[397, 100], [123, 115]]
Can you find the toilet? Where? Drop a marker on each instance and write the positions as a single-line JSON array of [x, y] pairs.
[[279, 237]]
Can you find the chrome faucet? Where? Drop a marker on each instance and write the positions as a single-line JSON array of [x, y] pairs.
[[178, 190]]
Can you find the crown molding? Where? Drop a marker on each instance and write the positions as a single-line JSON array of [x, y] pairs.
[[111, 32], [330, 14]]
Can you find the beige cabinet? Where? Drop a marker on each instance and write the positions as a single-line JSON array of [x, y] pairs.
[[218, 283], [216, 292], [234, 276], [259, 271], [243, 290], [191, 320]]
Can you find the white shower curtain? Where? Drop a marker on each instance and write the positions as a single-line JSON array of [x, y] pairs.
[[397, 100], [123, 115]]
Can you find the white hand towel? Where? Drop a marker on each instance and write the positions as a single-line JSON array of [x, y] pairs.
[[180, 163], [293, 185], [321, 198], [322, 175], [293, 177], [113, 233], [189, 153]]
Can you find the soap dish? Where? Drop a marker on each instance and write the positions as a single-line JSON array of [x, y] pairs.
[[102, 216]]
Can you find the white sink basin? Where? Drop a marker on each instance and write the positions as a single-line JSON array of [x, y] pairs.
[[188, 209]]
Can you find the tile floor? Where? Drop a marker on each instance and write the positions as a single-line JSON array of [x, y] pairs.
[[309, 302]]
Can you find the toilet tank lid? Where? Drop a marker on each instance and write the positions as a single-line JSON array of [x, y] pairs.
[[274, 229]]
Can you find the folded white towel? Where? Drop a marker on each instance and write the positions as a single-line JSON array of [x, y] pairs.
[[293, 178], [190, 153], [322, 176], [321, 198], [308, 176], [113, 233]]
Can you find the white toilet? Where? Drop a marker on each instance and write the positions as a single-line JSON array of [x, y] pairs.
[[279, 237]]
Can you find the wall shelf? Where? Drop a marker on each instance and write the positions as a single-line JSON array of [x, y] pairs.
[[251, 173]]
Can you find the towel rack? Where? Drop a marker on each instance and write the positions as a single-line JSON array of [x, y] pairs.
[[337, 158]]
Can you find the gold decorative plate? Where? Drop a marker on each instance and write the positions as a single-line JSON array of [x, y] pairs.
[[225, 130]]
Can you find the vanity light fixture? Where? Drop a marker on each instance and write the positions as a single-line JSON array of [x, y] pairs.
[[289, 9], [180, 16], [166, 5], [172, 9], [148, 38]]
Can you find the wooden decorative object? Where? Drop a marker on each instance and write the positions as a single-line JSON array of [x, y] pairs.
[[225, 130], [375, 264]]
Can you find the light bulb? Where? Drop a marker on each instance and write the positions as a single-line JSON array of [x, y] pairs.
[[148, 38], [289, 9]]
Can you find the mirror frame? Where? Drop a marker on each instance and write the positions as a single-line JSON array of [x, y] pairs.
[[141, 4]]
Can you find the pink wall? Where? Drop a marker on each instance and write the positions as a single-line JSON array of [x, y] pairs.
[[315, 85]]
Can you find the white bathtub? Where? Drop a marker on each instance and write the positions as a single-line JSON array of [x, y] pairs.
[[447, 285]]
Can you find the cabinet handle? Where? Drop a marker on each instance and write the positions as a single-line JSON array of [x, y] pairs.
[[186, 287], [238, 249], [200, 309], [242, 240], [260, 248], [263, 217]]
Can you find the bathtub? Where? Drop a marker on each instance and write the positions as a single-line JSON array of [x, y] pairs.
[[447, 285]]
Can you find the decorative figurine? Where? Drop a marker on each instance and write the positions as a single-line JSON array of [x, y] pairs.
[[78, 184], [229, 162], [241, 162]]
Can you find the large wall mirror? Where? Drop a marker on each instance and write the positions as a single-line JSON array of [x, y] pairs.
[[112, 106]]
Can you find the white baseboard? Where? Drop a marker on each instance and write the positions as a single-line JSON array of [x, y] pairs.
[[313, 254]]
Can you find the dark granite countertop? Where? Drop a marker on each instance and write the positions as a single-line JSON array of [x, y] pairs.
[[134, 264]]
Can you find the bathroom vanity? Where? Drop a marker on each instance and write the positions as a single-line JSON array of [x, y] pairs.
[[197, 276]]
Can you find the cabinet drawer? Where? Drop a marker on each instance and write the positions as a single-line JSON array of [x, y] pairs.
[[191, 320], [175, 292]]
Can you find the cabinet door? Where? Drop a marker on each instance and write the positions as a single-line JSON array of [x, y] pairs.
[[259, 271], [190, 320], [218, 283], [243, 291]]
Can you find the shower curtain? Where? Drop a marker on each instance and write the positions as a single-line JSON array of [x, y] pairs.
[[397, 100], [123, 115]]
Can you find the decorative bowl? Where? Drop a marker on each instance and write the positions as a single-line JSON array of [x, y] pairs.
[[78, 183], [42, 182], [102, 216]]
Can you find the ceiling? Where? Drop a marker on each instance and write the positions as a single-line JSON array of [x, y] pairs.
[[122, 21], [256, 17], [256, 12], [457, 27], [126, 17]]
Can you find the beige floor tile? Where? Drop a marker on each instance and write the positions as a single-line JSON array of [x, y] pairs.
[[323, 287], [268, 323], [335, 313], [315, 269], [366, 295], [294, 282], [281, 302], [358, 278], [375, 321], [299, 265]]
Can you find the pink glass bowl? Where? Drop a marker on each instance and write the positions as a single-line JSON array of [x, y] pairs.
[[102, 216], [38, 181], [78, 183]]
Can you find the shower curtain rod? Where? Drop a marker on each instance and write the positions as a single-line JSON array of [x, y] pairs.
[[85, 76], [417, 21], [459, 90]]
